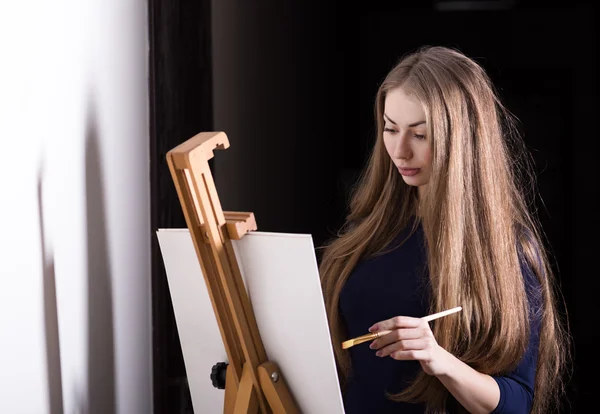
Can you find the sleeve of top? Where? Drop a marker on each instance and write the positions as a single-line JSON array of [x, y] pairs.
[[516, 388]]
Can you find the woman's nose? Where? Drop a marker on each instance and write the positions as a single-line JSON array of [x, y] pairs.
[[402, 150]]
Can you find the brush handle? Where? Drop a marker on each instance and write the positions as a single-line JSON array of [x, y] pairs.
[[440, 314]]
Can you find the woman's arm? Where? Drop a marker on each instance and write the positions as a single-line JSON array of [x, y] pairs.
[[477, 392], [412, 339], [514, 390], [481, 393]]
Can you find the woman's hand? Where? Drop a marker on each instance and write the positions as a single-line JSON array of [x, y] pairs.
[[411, 339]]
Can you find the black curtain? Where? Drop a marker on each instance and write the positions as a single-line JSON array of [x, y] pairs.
[[180, 107]]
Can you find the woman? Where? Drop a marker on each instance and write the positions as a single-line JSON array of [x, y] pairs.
[[440, 219]]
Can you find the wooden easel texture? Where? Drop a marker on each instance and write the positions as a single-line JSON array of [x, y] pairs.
[[253, 383]]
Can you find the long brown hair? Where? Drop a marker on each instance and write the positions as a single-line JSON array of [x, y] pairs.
[[475, 216]]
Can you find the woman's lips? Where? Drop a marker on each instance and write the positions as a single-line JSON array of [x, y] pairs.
[[409, 172]]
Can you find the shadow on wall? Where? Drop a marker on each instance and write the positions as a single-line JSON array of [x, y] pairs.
[[101, 360], [55, 389]]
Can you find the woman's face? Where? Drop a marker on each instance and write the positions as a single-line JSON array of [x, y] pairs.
[[405, 137]]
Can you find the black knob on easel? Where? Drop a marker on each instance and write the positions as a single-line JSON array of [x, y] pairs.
[[218, 375]]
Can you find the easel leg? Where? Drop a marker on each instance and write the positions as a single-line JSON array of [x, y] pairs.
[[275, 389], [231, 387], [246, 401]]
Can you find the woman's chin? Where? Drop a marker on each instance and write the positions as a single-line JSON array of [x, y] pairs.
[[413, 181]]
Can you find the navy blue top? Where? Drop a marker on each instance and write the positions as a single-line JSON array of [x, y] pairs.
[[395, 284]]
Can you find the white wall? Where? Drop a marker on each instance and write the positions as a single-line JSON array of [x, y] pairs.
[[75, 315]]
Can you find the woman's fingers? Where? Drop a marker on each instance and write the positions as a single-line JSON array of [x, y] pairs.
[[410, 338], [404, 346], [396, 323], [412, 355], [395, 336]]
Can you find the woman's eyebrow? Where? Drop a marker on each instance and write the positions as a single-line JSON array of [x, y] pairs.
[[410, 126]]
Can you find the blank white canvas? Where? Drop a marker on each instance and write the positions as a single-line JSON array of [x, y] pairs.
[[281, 275]]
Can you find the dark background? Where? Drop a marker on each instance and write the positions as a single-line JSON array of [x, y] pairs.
[[293, 87]]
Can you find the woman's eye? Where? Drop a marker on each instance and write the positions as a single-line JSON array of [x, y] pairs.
[[388, 130], [417, 136]]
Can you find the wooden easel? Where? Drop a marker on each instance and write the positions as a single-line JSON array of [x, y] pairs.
[[250, 377]]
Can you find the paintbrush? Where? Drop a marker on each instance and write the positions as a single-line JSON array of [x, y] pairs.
[[374, 335]]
